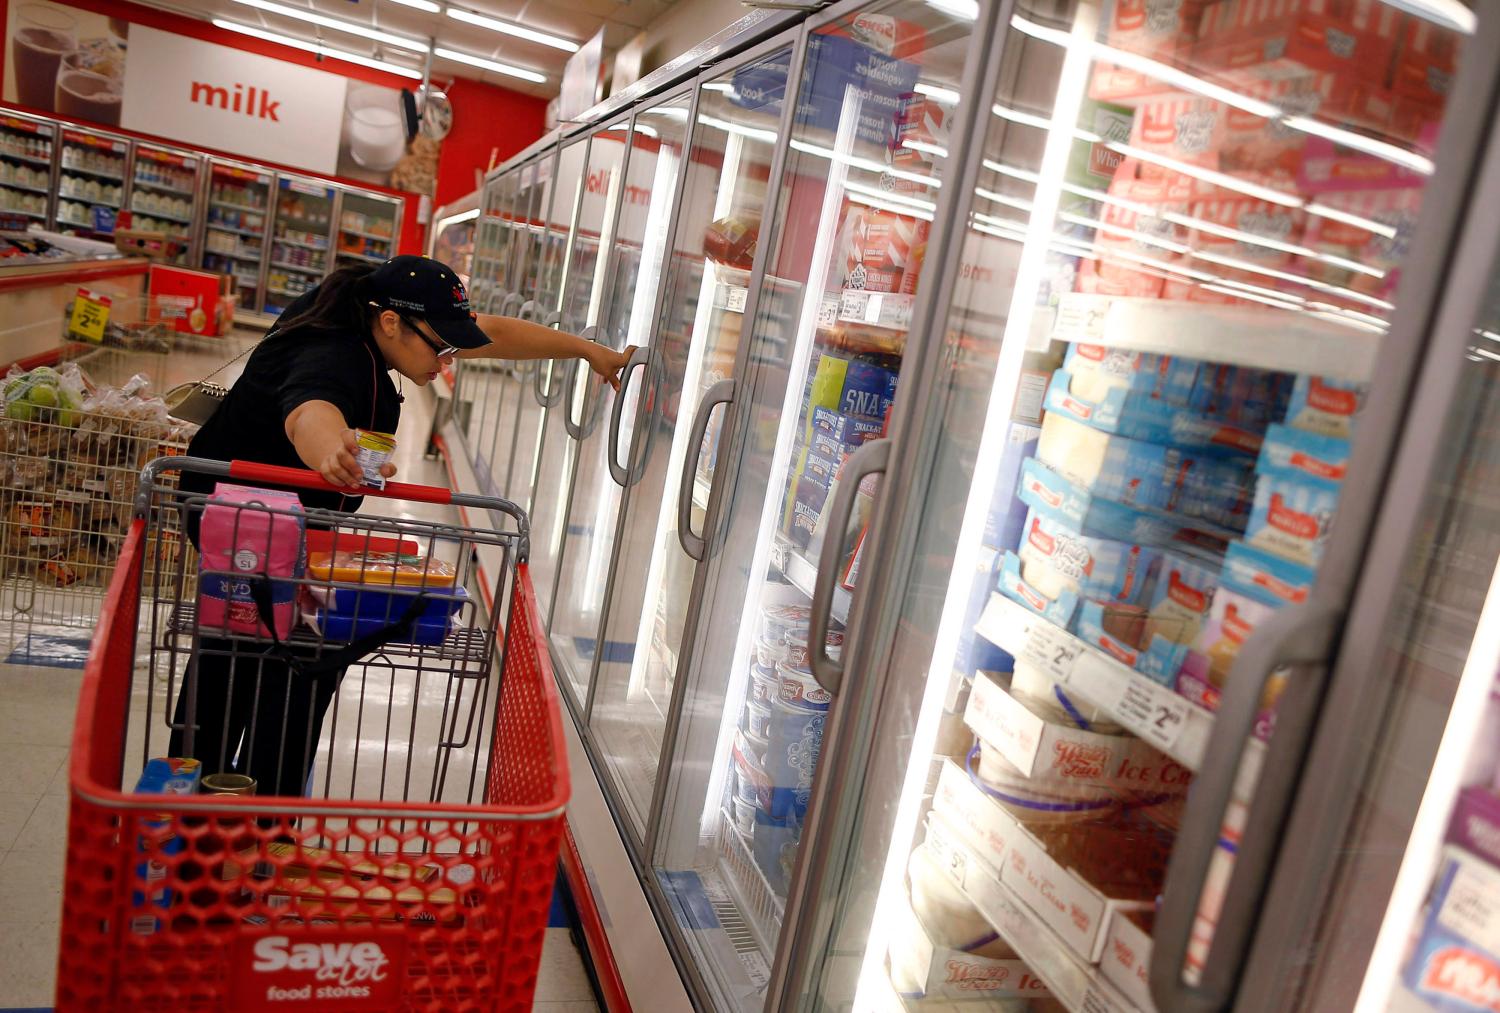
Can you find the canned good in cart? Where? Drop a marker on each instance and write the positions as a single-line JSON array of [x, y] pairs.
[[399, 854]]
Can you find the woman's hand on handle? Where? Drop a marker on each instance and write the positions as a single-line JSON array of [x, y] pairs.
[[607, 363]]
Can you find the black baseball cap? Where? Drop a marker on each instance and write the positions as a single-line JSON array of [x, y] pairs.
[[426, 289]]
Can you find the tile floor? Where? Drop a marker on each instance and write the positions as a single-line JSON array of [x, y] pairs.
[[39, 681]]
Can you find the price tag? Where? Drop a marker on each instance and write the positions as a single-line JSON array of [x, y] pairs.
[[734, 299], [1155, 715], [897, 311], [1080, 318], [828, 313], [90, 314], [1093, 1002], [1051, 649], [852, 306]]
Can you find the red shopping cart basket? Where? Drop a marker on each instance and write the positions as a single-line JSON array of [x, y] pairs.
[[399, 853]]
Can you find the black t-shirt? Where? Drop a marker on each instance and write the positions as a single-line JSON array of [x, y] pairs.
[[288, 369]]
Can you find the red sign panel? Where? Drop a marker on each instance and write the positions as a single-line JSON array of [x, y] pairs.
[[323, 970]]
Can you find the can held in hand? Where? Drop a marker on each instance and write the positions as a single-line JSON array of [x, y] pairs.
[[372, 452]]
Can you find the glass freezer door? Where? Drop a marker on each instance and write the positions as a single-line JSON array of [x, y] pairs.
[[163, 195], [484, 381], [1173, 270], [657, 142], [598, 164], [692, 357], [234, 231], [299, 240], [367, 229], [852, 214]]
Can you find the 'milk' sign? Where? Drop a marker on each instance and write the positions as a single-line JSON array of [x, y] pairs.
[[224, 98]]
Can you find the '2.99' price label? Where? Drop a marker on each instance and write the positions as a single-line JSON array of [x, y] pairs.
[[1051, 649], [1159, 717]]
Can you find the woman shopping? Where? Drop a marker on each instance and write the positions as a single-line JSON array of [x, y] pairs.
[[325, 369]]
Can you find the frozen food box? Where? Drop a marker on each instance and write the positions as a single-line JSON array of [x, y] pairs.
[[1292, 515], [1426, 60], [1121, 282], [1181, 126], [1311, 455], [1245, 229], [415, 582], [869, 387], [1052, 495], [1364, 260], [1057, 609], [1475, 825], [1003, 521], [819, 469], [851, 431], [1455, 965], [1145, 476], [1056, 557], [249, 533], [1118, 410], [391, 569], [921, 131], [974, 652], [153, 892], [807, 507], [1252, 585], [1161, 29], [1324, 405], [1181, 599], [1158, 657], [1355, 38], [1254, 143]]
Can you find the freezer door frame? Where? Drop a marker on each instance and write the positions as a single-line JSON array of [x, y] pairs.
[[1443, 287], [199, 214], [877, 606], [347, 190], [273, 215], [265, 236]]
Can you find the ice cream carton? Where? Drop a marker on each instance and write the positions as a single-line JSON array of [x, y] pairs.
[[1326, 166], [1248, 398], [1253, 584], [1293, 514], [1127, 957], [1117, 409], [1323, 405], [1455, 965], [1056, 557], [1255, 143], [1009, 582], [1121, 281], [1426, 60], [1315, 456], [1245, 229], [1269, 38], [1373, 257], [1181, 126], [250, 535], [1161, 29]]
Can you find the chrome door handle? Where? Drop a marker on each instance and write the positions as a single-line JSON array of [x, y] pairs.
[[582, 430], [510, 304], [546, 371], [638, 359], [870, 459], [527, 310], [720, 393], [1302, 635]]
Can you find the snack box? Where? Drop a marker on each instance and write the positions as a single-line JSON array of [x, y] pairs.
[[161, 776], [868, 390], [849, 431], [395, 569], [807, 507], [1322, 405], [1268, 38], [1056, 557], [819, 469], [1292, 515], [1199, 484], [1116, 409], [1455, 965]]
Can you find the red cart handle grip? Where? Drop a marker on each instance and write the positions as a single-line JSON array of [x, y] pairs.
[[301, 478]]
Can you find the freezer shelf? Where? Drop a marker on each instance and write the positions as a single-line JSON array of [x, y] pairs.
[[1239, 335], [802, 573]]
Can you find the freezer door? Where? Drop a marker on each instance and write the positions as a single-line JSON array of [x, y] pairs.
[[163, 192], [604, 423], [693, 344], [367, 228], [1125, 506], [237, 218], [845, 236], [300, 240], [561, 383], [26, 150], [91, 182], [545, 376]]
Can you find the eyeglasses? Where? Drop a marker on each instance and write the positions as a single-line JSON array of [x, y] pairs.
[[439, 347]]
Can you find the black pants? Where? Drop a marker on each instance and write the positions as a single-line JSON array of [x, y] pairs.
[[253, 715]]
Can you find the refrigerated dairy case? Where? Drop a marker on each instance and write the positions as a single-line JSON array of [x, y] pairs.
[[1036, 555]]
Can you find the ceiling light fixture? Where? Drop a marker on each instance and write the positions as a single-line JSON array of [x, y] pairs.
[[338, 25], [529, 34], [421, 5], [318, 49], [495, 65]]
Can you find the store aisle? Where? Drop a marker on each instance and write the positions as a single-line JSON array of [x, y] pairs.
[[38, 694]]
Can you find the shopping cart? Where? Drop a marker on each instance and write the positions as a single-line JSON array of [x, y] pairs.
[[389, 885]]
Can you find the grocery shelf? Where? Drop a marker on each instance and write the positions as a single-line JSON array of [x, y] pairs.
[[890, 310], [802, 573], [236, 255], [162, 215], [83, 199], [238, 207], [1148, 709], [29, 159], [361, 256], [366, 235], [163, 188], [757, 901], [112, 177], [1074, 982], [1262, 338], [28, 214], [299, 268], [217, 227], [23, 186], [297, 242]]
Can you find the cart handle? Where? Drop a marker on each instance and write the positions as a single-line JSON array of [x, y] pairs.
[[301, 478]]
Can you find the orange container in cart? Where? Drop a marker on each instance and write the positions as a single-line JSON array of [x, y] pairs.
[[390, 886]]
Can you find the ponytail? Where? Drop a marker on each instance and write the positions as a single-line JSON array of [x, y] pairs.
[[340, 304]]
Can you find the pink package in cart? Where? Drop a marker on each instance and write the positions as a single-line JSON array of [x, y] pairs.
[[247, 533]]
